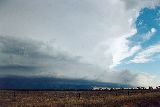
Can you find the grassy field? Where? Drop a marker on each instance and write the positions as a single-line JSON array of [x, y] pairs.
[[116, 98]]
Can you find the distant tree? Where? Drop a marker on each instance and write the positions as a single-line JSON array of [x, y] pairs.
[[139, 88], [143, 88], [150, 88], [111, 89], [158, 87], [122, 88]]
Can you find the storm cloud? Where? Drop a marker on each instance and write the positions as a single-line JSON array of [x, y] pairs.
[[29, 58]]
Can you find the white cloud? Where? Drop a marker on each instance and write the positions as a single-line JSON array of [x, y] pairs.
[[146, 80], [147, 54], [149, 34], [78, 27], [121, 50], [139, 4], [153, 30]]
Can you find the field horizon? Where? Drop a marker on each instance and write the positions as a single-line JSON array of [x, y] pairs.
[[88, 98]]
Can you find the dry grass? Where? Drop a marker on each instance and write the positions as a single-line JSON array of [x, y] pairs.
[[136, 98]]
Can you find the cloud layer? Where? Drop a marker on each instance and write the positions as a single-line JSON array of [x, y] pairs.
[[31, 58]]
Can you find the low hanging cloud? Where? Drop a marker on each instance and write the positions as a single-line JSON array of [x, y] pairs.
[[29, 58]]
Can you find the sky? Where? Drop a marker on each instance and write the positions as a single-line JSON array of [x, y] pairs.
[[114, 41]]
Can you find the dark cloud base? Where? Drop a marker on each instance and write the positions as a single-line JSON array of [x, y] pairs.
[[33, 59], [19, 82]]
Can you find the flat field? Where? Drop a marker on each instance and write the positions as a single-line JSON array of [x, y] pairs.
[[114, 98]]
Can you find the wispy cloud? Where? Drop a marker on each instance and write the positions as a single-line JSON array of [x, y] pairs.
[[147, 54], [121, 49], [149, 34]]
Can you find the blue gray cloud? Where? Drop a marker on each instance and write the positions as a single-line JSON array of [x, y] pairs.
[[29, 58]]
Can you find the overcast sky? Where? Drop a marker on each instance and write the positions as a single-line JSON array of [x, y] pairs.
[[79, 39]]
